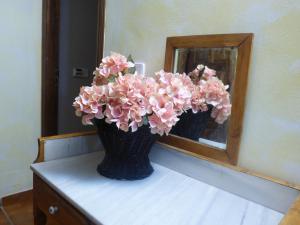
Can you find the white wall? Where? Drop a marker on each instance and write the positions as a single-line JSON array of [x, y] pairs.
[[271, 136], [20, 91]]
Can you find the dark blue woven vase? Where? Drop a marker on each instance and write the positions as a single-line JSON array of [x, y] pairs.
[[126, 153], [191, 125]]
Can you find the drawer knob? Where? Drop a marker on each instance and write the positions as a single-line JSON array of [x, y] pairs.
[[53, 210]]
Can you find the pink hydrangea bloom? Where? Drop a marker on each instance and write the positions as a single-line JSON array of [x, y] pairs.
[[195, 74], [176, 88], [208, 73], [221, 113], [99, 79], [130, 100], [127, 103], [216, 94], [164, 116], [90, 101], [111, 65], [215, 91], [198, 102], [210, 90]]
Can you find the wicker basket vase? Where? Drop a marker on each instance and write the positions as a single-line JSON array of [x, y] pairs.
[[126, 153], [191, 125]]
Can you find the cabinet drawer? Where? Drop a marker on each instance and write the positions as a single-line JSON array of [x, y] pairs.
[[54, 206]]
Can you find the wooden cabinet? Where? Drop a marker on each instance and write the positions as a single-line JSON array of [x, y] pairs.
[[52, 209]]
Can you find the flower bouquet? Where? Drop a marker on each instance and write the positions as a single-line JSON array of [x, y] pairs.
[[210, 99], [131, 110]]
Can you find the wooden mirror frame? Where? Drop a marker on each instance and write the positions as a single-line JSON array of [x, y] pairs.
[[243, 43]]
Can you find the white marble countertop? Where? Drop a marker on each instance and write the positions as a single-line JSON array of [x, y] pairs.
[[165, 198]]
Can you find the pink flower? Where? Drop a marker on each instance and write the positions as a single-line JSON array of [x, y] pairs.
[[216, 94], [164, 115], [129, 101], [159, 127], [198, 102], [221, 114], [215, 91], [195, 74], [86, 119], [176, 88], [111, 66], [99, 79], [90, 101], [210, 90], [114, 64], [208, 73]]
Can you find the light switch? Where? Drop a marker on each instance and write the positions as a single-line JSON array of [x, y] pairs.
[[140, 68]]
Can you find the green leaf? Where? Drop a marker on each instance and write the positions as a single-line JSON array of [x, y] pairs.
[[111, 79], [145, 120], [131, 69], [130, 59]]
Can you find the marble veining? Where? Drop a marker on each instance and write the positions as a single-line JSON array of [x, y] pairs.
[[165, 198]]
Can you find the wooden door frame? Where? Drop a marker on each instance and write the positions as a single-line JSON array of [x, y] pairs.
[[50, 31], [50, 61]]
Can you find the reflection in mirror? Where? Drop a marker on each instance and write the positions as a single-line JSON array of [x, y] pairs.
[[224, 60]]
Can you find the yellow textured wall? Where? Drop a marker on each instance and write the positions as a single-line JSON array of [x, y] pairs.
[[271, 136], [20, 91]]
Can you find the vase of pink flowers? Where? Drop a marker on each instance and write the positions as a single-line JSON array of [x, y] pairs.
[[216, 99], [191, 125], [131, 110], [127, 153]]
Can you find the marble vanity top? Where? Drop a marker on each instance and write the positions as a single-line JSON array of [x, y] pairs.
[[167, 197]]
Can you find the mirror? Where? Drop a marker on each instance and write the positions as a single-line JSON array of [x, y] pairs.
[[229, 55], [224, 61]]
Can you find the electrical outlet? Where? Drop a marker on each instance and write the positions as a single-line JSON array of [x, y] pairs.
[[80, 72]]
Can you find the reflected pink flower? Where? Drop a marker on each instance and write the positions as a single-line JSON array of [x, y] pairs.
[[176, 88], [195, 74], [198, 102], [221, 114], [215, 91], [216, 94], [208, 73]]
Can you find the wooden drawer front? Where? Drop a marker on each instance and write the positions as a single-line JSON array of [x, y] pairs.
[[45, 197]]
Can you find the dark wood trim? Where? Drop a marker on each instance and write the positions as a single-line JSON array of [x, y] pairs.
[[4, 220], [243, 42], [11, 199], [50, 61], [50, 41], [45, 196], [100, 32]]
